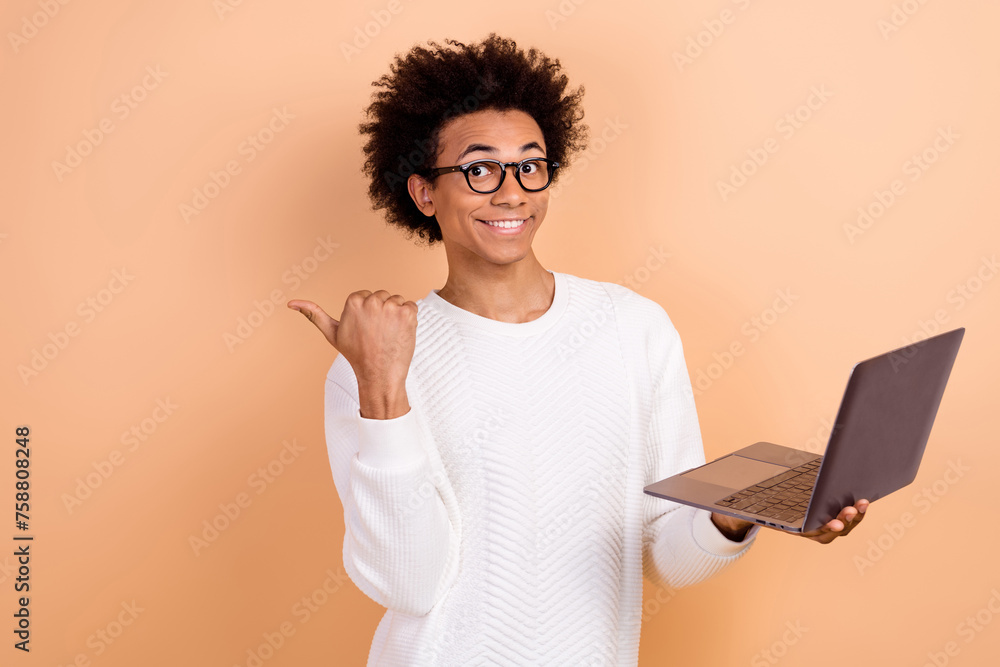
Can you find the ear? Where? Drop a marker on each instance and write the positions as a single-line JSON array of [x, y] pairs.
[[421, 192]]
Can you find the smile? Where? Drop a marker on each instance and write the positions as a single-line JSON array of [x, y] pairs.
[[505, 224]]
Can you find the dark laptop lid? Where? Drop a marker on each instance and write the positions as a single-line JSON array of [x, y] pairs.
[[883, 425]]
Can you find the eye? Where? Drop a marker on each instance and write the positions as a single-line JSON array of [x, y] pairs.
[[482, 169], [529, 167]]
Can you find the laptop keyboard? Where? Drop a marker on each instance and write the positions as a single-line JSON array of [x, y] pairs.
[[784, 497]]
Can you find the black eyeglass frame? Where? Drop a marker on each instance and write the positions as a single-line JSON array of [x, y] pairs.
[[464, 168]]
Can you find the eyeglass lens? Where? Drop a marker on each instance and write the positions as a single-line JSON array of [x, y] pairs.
[[485, 176]]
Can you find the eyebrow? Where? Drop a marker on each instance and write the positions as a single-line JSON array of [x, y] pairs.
[[493, 150]]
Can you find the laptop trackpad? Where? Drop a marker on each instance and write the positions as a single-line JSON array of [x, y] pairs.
[[735, 472]]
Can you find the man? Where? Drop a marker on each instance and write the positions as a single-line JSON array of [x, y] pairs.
[[492, 473]]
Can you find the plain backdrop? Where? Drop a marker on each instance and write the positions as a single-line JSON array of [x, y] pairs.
[[800, 186]]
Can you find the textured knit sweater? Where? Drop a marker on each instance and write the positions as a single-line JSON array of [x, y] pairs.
[[502, 520]]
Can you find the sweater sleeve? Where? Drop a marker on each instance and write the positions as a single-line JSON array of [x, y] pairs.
[[400, 536], [681, 545]]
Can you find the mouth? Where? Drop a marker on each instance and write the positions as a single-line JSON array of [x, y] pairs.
[[506, 224]]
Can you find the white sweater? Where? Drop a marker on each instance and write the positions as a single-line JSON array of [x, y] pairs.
[[502, 519]]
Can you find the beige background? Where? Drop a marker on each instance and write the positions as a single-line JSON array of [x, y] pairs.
[[138, 307]]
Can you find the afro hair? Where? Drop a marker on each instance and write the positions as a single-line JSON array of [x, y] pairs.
[[430, 86]]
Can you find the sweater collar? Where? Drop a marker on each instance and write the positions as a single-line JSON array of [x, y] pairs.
[[535, 326]]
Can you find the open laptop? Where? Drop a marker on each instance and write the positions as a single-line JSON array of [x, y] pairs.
[[875, 447]]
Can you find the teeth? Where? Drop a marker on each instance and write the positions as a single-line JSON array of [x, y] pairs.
[[505, 224]]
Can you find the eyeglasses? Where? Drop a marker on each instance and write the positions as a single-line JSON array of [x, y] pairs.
[[533, 174]]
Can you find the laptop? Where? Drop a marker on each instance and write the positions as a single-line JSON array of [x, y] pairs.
[[875, 447]]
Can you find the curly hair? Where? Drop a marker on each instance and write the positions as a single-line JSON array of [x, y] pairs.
[[430, 87]]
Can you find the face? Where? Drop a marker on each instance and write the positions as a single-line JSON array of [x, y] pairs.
[[464, 215]]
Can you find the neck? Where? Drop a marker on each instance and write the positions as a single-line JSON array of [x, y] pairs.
[[517, 292]]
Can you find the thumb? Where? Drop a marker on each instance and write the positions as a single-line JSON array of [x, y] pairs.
[[317, 316]]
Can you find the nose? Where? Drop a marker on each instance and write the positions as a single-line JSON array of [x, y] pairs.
[[510, 191]]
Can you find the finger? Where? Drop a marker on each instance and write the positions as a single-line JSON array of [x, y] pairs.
[[859, 509], [834, 526], [852, 515], [386, 297], [326, 324], [396, 299], [826, 533], [820, 535], [847, 515], [830, 528], [846, 520]]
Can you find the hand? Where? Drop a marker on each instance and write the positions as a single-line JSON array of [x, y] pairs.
[[848, 518], [846, 521], [377, 335]]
